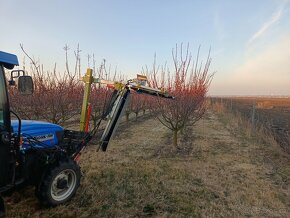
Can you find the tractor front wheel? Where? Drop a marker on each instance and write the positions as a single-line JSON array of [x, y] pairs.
[[59, 184]]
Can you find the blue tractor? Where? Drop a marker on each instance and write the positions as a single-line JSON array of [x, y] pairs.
[[44, 155], [34, 152]]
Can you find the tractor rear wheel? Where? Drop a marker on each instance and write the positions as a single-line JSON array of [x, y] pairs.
[[59, 184]]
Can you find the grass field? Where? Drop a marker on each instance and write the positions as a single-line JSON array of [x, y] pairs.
[[221, 171], [271, 114]]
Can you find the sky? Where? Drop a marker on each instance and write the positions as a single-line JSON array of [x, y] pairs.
[[249, 39]]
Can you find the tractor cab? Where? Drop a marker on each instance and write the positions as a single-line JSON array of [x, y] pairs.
[[6, 156]]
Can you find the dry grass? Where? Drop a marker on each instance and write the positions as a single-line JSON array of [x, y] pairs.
[[265, 102], [222, 171]]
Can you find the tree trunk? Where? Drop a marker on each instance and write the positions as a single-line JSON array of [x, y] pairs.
[[175, 132]]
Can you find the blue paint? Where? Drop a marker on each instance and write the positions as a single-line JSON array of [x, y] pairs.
[[44, 132], [8, 58]]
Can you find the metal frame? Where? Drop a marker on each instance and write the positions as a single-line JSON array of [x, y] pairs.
[[119, 104]]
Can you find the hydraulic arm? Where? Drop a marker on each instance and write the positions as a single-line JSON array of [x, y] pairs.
[[119, 101], [120, 104]]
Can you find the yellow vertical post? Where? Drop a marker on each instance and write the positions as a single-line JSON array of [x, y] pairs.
[[88, 80]]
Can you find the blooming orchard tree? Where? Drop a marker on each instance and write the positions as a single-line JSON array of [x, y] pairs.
[[56, 98], [188, 83], [136, 103], [99, 100]]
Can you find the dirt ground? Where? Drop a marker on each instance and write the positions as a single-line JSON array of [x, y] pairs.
[[220, 171]]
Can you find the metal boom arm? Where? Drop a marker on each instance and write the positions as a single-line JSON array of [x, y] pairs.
[[120, 101]]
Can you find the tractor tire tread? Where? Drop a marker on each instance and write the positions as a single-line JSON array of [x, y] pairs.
[[43, 189]]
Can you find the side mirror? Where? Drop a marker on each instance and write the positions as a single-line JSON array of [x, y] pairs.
[[15, 74], [25, 85]]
